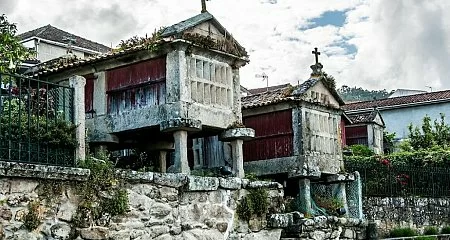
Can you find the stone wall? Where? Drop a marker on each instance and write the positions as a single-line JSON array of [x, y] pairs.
[[416, 212], [161, 206], [296, 227]]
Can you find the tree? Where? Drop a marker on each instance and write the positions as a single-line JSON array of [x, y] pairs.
[[12, 52], [432, 134], [329, 80]]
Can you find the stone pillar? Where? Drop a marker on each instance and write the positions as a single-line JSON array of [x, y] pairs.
[[179, 127], [236, 98], [304, 195], [162, 161], [238, 157], [78, 83], [236, 137], [100, 97], [177, 81], [342, 196], [181, 159]]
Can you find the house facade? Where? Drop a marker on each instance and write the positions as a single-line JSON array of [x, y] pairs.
[[50, 42], [399, 112], [180, 84]]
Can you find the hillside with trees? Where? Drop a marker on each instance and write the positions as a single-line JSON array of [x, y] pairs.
[[356, 94]]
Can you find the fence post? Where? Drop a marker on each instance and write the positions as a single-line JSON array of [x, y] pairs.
[[79, 116]]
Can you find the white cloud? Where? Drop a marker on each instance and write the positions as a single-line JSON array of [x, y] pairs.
[[400, 44]]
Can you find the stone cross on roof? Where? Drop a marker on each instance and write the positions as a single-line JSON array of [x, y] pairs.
[[317, 67], [204, 6], [316, 54]]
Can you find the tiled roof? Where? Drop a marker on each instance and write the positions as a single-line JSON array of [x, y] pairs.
[[186, 24], [271, 88], [61, 63], [64, 62], [367, 117], [57, 35], [283, 93], [267, 98], [398, 101]]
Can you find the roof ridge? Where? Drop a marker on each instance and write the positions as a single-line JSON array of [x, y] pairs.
[[407, 96]]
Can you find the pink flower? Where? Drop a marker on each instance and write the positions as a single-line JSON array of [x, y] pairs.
[[385, 162]]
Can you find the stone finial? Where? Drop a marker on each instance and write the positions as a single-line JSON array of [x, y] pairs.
[[316, 70]]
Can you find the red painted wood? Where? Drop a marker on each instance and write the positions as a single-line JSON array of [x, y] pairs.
[[89, 92], [356, 135], [137, 85], [274, 136], [139, 73]]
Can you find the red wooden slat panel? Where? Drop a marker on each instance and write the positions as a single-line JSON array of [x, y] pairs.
[[89, 92], [151, 94], [356, 132], [147, 71], [274, 136]]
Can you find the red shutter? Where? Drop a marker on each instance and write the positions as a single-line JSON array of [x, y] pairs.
[[274, 136]]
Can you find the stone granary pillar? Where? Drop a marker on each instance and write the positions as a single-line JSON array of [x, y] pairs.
[[180, 127], [163, 147], [78, 83], [236, 137], [304, 195], [181, 158], [341, 180]]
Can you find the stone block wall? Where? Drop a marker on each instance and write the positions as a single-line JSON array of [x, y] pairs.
[[416, 212], [161, 206], [296, 227]]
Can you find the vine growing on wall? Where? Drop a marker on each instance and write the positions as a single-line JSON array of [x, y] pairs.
[[103, 195], [255, 203]]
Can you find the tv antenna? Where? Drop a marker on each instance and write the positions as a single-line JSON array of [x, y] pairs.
[[264, 77], [70, 41]]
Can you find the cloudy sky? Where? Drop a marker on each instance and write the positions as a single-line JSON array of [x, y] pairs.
[[376, 44]]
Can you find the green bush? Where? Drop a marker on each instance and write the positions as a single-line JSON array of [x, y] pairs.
[[402, 232], [361, 150], [425, 238], [445, 230], [430, 231]]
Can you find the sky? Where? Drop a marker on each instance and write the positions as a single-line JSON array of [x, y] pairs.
[[374, 44]]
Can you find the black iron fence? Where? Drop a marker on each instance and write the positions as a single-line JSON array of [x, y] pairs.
[[36, 121], [384, 180]]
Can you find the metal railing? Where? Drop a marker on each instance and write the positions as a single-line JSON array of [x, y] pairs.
[[384, 180], [36, 121]]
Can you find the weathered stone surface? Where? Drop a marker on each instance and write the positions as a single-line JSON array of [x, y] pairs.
[[162, 210], [5, 213], [264, 235], [15, 169], [94, 233], [200, 234], [175, 180], [336, 178], [202, 183], [61, 231], [176, 124], [135, 176], [230, 183], [348, 233], [281, 220], [237, 133], [66, 211], [263, 184]]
